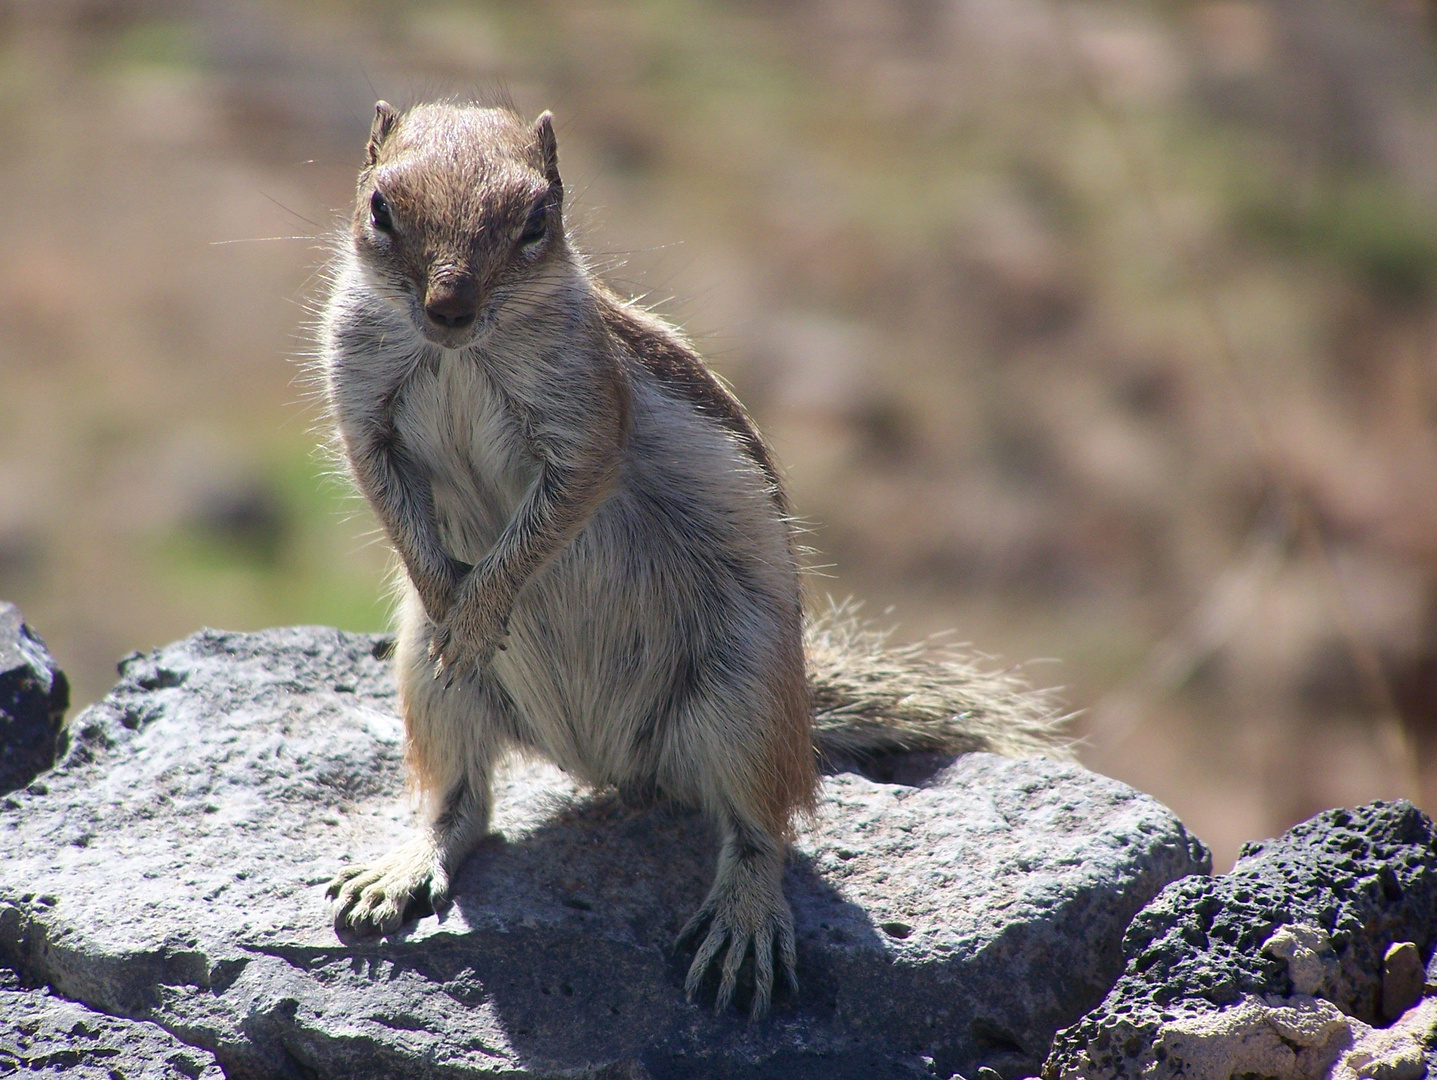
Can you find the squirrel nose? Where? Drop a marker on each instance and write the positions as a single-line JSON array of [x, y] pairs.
[[451, 303]]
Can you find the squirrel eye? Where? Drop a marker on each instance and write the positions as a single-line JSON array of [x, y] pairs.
[[379, 213], [536, 225]]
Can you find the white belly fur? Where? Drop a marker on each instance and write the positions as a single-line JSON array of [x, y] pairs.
[[683, 567]]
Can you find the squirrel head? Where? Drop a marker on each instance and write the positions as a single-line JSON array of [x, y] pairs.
[[460, 212]]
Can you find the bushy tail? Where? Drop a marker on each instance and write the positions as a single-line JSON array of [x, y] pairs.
[[870, 698]]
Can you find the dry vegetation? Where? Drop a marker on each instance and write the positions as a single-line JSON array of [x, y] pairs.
[[1098, 331]]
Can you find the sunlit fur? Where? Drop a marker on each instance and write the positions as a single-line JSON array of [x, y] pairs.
[[598, 561]]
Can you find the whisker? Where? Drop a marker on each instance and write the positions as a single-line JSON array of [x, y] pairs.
[[256, 240]]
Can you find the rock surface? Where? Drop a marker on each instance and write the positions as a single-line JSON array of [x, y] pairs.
[[171, 870], [42, 1036], [34, 695], [1283, 968]]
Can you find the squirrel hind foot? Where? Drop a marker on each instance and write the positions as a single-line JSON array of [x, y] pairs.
[[742, 928], [379, 898]]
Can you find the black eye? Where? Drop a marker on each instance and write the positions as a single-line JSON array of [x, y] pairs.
[[379, 213], [536, 225]]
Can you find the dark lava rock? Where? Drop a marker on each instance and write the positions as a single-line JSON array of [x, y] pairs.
[[1287, 951], [34, 695], [172, 870]]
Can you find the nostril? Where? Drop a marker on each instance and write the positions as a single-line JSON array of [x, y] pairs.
[[451, 303], [451, 318]]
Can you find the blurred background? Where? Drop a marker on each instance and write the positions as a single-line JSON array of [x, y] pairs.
[[1098, 332]]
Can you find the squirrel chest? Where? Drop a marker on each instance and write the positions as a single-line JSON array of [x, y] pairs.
[[465, 435]]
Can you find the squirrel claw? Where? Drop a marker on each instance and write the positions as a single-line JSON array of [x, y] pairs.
[[377, 899], [736, 943]]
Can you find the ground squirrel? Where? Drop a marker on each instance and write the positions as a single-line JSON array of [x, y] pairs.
[[599, 562]]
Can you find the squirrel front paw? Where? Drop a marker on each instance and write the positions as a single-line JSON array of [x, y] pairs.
[[469, 638]]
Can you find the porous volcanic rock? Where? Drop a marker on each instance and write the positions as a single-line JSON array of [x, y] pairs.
[[42, 1035], [34, 695], [172, 869], [1277, 969]]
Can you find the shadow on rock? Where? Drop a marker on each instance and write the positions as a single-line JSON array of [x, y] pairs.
[[951, 914]]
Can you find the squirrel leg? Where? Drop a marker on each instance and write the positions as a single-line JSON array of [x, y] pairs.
[[454, 740], [414, 878], [745, 912]]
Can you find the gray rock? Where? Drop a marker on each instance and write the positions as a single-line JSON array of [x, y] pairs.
[[44, 1036], [1275, 969], [34, 695], [1402, 979], [173, 870]]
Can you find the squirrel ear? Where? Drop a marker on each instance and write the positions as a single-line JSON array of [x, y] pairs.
[[548, 147], [385, 117]]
